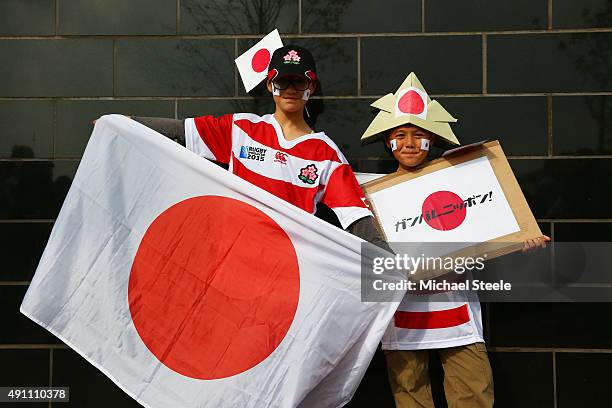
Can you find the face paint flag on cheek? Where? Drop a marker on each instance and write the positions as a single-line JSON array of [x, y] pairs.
[[393, 145], [253, 64], [191, 287], [425, 144]]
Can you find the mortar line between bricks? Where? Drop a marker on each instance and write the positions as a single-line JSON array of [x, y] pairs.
[[484, 65], [358, 66], [309, 35], [33, 346], [422, 16], [28, 221], [235, 69], [549, 12], [549, 124], [54, 127], [553, 269], [67, 159], [114, 67], [299, 17], [14, 283], [56, 17], [178, 17]]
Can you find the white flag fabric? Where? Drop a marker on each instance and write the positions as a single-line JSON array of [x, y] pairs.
[[363, 178], [253, 63], [190, 287]]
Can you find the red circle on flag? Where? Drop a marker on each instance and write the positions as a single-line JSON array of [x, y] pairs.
[[214, 287], [260, 60], [411, 102], [443, 210]]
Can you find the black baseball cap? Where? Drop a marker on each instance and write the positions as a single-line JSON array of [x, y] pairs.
[[292, 60]]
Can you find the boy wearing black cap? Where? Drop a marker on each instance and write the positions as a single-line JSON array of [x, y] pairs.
[[280, 152]]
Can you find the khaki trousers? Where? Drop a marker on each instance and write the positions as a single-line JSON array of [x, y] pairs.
[[468, 381]]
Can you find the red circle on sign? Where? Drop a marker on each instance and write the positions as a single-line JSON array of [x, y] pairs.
[[260, 60], [411, 102], [214, 287], [443, 210]]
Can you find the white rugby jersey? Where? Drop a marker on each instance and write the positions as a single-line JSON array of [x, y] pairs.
[[303, 171]]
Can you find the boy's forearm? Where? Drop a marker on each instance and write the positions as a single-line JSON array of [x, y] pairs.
[[172, 128]]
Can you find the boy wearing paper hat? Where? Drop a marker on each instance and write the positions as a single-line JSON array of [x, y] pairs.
[[410, 111], [409, 122]]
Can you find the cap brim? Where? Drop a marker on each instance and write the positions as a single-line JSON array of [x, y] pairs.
[[291, 69]]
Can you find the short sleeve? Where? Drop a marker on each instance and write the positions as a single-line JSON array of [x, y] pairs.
[[210, 137], [344, 196]]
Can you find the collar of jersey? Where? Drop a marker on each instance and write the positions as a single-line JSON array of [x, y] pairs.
[[290, 143]]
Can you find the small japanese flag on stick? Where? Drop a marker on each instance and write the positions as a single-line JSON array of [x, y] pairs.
[[253, 64]]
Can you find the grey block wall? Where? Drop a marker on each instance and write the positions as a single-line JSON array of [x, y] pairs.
[[534, 74]]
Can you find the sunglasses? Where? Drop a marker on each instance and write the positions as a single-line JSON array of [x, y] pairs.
[[299, 84]]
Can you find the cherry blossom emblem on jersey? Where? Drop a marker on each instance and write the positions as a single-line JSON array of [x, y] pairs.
[[308, 174]]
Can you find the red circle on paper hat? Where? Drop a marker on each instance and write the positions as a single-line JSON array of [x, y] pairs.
[[411, 102], [214, 287], [261, 60], [443, 210]]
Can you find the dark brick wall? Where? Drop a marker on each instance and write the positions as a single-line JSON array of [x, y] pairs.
[[535, 74]]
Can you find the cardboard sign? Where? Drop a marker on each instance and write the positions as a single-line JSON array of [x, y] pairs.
[[468, 197]]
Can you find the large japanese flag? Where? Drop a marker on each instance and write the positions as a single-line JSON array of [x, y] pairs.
[[189, 287]]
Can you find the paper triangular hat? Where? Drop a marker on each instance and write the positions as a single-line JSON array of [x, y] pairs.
[[410, 104]]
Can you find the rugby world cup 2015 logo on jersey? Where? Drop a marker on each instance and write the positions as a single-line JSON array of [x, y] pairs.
[[253, 153]]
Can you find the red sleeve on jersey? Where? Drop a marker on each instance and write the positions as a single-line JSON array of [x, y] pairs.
[[216, 133], [342, 189]]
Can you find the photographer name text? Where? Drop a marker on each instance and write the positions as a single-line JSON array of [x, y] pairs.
[[433, 285]]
